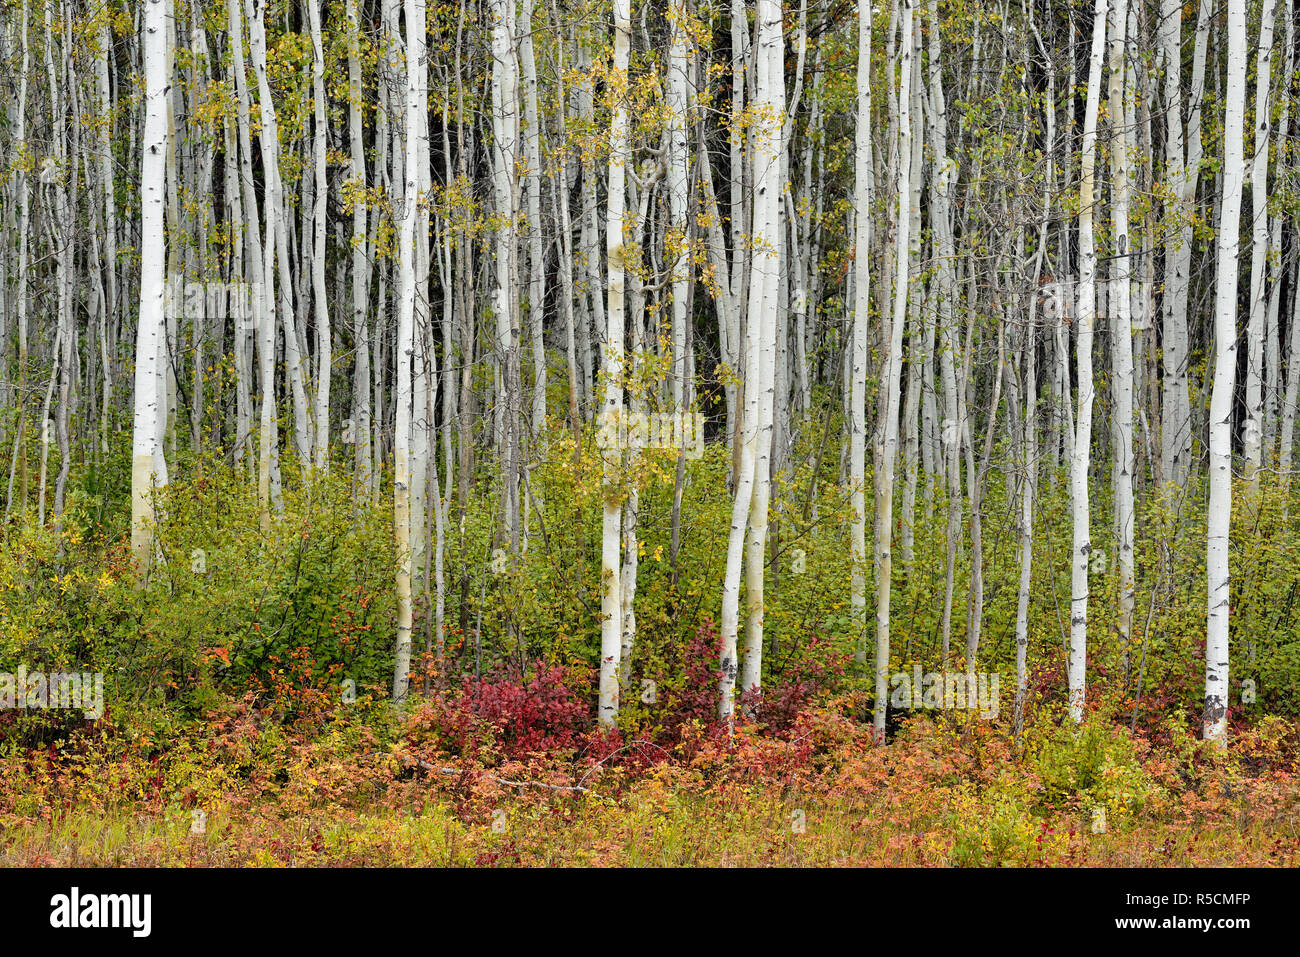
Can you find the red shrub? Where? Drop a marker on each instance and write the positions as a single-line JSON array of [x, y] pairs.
[[540, 714]]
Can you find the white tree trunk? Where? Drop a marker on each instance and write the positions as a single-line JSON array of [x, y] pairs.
[[942, 183], [277, 243], [1292, 395], [764, 305], [593, 276], [21, 292], [532, 136], [360, 261], [1176, 427], [891, 372], [1277, 267], [405, 345], [1253, 428], [1121, 322], [910, 436], [1225, 374], [862, 199], [149, 468], [263, 313], [1086, 313], [610, 553], [677, 100], [320, 303], [108, 191], [505, 305], [1028, 479]]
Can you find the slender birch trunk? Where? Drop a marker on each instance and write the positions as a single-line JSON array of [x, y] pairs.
[[763, 314], [891, 372], [360, 260], [320, 301], [1121, 323], [24, 251], [109, 200], [1292, 395], [677, 100], [862, 200], [1253, 429], [277, 234], [532, 137], [505, 147], [1225, 374], [405, 344], [1272, 331], [1081, 556], [263, 309], [149, 467], [1183, 172], [1028, 480], [612, 365]]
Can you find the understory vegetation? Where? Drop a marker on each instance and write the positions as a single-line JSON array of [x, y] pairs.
[[252, 689]]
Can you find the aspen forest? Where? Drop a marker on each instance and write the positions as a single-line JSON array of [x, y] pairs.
[[650, 433]]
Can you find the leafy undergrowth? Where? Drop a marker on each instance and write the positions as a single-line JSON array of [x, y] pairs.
[[512, 772]]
